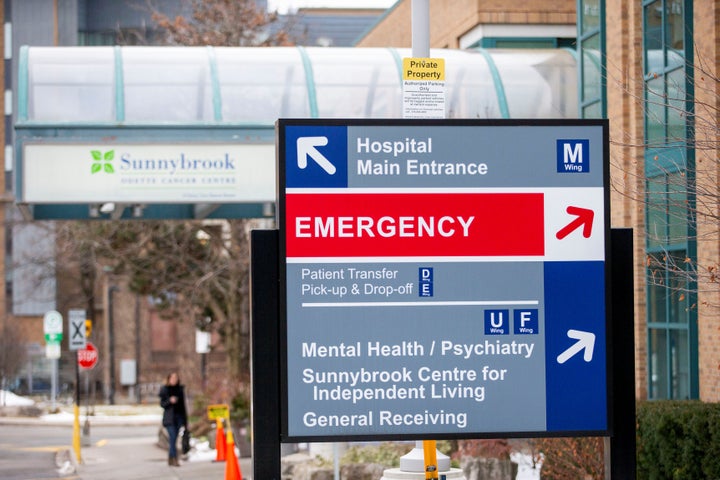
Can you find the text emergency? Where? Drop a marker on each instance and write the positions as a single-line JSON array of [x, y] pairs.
[[386, 226], [414, 224]]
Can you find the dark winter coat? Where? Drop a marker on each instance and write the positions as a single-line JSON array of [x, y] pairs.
[[174, 413]]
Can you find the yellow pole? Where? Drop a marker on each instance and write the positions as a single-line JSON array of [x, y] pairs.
[[430, 455], [76, 433]]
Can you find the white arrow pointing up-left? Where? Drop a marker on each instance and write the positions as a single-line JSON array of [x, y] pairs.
[[585, 340], [306, 148]]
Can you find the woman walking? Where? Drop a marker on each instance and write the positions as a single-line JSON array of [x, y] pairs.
[[172, 400]]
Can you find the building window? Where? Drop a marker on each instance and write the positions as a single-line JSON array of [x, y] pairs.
[[121, 36], [527, 42], [669, 288], [591, 58], [669, 163]]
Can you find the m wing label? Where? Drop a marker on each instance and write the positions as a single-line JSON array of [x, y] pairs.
[[573, 156]]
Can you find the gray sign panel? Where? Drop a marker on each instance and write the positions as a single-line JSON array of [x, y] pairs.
[[442, 278]]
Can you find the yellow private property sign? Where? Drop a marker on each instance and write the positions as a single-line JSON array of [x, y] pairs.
[[218, 411], [423, 88]]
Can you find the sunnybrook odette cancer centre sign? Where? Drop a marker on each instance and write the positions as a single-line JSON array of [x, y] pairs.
[[443, 277], [146, 172]]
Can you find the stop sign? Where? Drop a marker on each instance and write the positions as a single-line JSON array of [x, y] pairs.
[[88, 357]]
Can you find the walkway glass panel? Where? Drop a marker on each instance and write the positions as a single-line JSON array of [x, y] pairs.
[[78, 103], [206, 85]]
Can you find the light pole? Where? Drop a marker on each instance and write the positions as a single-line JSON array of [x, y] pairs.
[[111, 338], [138, 395]]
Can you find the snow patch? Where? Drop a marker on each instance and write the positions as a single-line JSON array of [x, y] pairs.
[[9, 399]]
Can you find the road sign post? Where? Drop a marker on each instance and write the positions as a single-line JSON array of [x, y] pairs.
[[444, 278], [77, 341], [88, 357], [53, 330], [76, 323]]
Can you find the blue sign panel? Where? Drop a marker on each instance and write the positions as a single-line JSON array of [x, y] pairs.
[[313, 153], [573, 156], [443, 278], [575, 347]]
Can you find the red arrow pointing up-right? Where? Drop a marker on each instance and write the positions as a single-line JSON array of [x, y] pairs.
[[584, 219]]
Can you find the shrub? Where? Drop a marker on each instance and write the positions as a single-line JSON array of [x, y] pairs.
[[678, 440], [386, 454], [572, 458], [493, 448], [240, 408]]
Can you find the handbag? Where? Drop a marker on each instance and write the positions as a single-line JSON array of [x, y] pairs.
[[186, 441]]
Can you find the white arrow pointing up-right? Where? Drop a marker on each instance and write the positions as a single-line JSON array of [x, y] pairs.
[[306, 148], [585, 340]]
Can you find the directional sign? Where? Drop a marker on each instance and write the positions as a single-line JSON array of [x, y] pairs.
[[221, 410], [306, 148], [53, 330], [53, 337], [87, 358], [584, 219], [78, 338], [585, 341], [443, 277], [52, 322], [52, 350]]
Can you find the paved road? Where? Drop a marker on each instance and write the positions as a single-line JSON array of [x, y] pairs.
[[34, 452], [29, 452], [131, 453]]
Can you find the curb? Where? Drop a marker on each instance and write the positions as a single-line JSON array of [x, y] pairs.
[[109, 421]]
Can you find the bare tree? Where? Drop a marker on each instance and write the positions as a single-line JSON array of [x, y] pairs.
[[573, 458], [192, 269], [13, 355], [679, 184], [239, 23]]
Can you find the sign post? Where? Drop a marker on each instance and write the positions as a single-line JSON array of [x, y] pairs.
[[77, 341], [53, 330], [444, 278], [77, 324], [88, 357], [423, 100]]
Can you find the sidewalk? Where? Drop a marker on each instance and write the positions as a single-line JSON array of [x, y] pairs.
[[128, 458], [142, 459]]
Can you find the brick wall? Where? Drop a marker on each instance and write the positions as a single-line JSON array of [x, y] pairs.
[[707, 91], [625, 92], [451, 19]]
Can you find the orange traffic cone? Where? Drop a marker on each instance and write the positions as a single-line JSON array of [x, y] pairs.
[[232, 466], [220, 444]]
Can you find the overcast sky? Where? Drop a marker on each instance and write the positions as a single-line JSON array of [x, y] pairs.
[[283, 5]]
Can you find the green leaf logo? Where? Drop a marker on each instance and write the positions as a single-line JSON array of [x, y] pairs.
[[102, 161]]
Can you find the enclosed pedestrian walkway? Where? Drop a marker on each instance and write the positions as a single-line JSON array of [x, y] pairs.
[[123, 106]]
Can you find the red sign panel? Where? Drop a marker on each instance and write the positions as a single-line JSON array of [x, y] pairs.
[[87, 358], [408, 225]]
